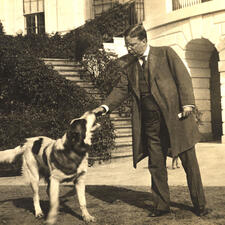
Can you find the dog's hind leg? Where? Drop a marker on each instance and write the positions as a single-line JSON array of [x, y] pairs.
[[80, 188], [31, 170], [54, 201], [35, 187]]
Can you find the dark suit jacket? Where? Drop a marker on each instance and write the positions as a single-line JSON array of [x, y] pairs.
[[171, 86]]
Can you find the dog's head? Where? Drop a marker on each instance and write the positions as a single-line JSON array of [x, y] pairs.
[[81, 129]]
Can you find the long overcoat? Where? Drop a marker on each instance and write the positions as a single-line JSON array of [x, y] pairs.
[[171, 86]]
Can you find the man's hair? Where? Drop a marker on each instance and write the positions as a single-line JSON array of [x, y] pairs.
[[137, 30]]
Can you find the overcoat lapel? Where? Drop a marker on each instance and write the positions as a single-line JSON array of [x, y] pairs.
[[151, 68], [154, 62], [133, 77]]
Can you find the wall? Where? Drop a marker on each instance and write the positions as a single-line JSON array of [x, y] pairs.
[[161, 13], [154, 11], [59, 16], [195, 39], [63, 17]]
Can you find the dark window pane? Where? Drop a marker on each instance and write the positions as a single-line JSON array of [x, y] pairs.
[[41, 23], [30, 24]]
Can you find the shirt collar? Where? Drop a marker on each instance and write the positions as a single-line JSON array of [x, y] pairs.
[[146, 51]]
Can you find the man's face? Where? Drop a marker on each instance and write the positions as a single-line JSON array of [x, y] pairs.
[[135, 46]]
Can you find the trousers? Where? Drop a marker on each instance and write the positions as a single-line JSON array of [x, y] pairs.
[[155, 135]]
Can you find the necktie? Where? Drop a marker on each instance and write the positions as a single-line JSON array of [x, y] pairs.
[[144, 61]]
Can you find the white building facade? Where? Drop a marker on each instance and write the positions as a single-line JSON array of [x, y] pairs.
[[51, 16], [195, 29]]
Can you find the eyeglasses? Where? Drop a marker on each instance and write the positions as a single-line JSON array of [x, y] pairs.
[[131, 45]]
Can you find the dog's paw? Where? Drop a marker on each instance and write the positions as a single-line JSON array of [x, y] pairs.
[[39, 215], [51, 220], [88, 218]]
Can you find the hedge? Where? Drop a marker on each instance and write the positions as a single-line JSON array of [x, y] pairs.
[[35, 100]]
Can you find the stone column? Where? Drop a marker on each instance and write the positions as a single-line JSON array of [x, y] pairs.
[[222, 83]]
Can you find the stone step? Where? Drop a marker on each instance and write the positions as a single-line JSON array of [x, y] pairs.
[[123, 131], [63, 62], [121, 123], [126, 141], [118, 118], [75, 73], [123, 136], [122, 145], [82, 84], [66, 68], [118, 127], [116, 115], [122, 151]]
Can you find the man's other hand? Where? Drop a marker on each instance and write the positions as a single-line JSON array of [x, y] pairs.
[[187, 110]]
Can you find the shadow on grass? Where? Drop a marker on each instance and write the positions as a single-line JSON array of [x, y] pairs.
[[108, 194], [112, 199], [115, 195], [27, 205]]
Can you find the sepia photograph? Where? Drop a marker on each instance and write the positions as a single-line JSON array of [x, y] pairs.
[[111, 112]]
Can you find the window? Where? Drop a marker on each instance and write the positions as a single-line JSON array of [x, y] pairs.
[[180, 4], [34, 16], [139, 6], [100, 6]]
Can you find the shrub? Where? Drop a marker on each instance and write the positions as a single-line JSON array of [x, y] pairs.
[[75, 43], [1, 28], [103, 68], [35, 100]]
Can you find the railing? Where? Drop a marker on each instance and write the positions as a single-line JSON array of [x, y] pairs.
[[180, 4]]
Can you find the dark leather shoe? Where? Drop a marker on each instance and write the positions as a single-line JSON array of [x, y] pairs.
[[203, 211], [158, 213]]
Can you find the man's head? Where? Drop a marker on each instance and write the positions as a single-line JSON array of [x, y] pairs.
[[136, 40]]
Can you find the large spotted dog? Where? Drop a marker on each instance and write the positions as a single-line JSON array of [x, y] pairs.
[[64, 159]]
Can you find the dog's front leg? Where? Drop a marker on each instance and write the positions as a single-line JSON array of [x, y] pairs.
[[54, 201], [80, 188]]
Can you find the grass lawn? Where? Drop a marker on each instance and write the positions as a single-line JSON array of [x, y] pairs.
[[111, 205]]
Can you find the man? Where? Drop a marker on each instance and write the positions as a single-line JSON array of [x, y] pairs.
[[162, 115]]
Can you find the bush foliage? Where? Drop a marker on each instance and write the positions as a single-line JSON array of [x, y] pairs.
[[103, 68], [35, 100], [75, 43], [1, 28]]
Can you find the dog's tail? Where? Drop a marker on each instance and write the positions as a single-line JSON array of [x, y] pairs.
[[10, 155]]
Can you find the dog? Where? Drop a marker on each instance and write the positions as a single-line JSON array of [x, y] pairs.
[[175, 163], [57, 161]]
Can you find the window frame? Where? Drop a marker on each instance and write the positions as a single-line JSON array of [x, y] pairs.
[[35, 15]]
